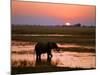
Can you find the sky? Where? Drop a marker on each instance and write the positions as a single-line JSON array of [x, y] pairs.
[[37, 13]]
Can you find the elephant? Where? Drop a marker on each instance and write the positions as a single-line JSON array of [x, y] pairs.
[[46, 47]]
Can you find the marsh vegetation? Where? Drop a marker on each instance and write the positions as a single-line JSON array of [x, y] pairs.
[[77, 44]]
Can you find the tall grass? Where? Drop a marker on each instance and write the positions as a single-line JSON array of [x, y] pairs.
[[80, 35], [52, 30]]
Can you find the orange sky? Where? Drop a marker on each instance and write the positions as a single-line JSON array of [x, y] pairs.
[[60, 11]]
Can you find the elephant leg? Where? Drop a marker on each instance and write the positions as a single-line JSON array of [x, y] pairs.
[[49, 55], [38, 56], [49, 58]]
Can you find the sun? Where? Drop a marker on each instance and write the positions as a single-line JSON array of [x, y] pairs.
[[67, 24]]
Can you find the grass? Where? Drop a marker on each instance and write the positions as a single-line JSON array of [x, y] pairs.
[[74, 40], [80, 36], [82, 50], [52, 30]]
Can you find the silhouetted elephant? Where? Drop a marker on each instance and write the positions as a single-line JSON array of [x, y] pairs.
[[41, 47]]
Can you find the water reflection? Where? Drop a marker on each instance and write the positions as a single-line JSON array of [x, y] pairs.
[[62, 59], [41, 62]]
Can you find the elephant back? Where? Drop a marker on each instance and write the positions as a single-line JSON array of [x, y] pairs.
[[52, 45], [41, 47]]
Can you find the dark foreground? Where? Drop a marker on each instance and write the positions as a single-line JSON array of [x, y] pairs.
[[25, 70]]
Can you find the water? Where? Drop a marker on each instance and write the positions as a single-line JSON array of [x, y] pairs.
[[26, 53]]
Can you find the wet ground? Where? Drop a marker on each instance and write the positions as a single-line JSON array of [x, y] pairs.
[[23, 55]]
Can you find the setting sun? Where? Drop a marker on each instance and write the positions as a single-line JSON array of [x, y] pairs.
[[67, 24]]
